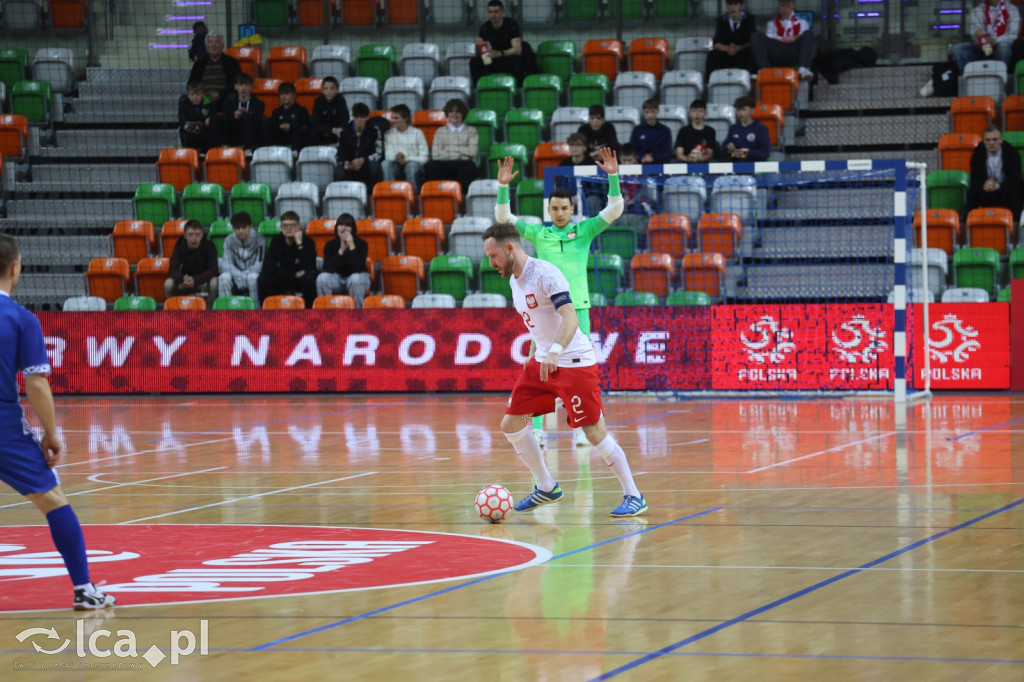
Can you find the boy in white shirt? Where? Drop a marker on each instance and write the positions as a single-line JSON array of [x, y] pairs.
[[405, 149]]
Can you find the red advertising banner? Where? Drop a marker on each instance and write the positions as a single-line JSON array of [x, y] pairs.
[[1017, 335], [968, 345]]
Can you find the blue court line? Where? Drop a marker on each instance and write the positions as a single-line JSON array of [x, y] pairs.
[[987, 428], [414, 600], [800, 593]]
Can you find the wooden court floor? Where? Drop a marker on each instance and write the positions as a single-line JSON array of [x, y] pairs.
[[811, 539]]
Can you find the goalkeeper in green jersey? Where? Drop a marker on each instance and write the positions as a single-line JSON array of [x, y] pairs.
[[563, 244]]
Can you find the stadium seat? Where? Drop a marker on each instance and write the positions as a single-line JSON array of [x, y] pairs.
[[310, 13], [376, 61], [346, 196], [202, 201], [496, 92], [778, 85], [679, 88], [545, 155], [407, 90], [943, 229], [384, 301], [33, 100], [330, 60], [421, 60], [441, 199], [249, 57], [137, 303], [301, 197], [379, 234], [605, 274], [984, 77], [587, 89], [668, 233], [772, 116], [1013, 112], [394, 201], [321, 231], [225, 166], [580, 10], [466, 236], [1015, 138], [542, 91], [671, 9], [13, 66], [362, 13], [530, 194], [971, 114], [185, 303], [525, 127], [266, 91], [234, 303], [156, 203], [685, 195], [218, 232], [1004, 295], [270, 227], [433, 301], [937, 267], [500, 151], [635, 298], [624, 119], [484, 300], [691, 53], [56, 66], [92, 304], [133, 240], [674, 117], [1016, 264], [725, 85], [316, 165], [451, 274], [444, 88], [428, 121], [633, 88], [648, 54], [271, 16], [402, 276], [719, 233], [653, 272], [457, 57], [360, 89], [991, 228], [284, 303], [336, 302], [619, 238], [598, 300], [704, 272], [307, 90], [566, 121], [22, 16], [150, 275], [965, 295], [681, 297], [423, 238], [170, 232], [271, 166], [955, 150], [602, 57], [977, 268], [178, 167], [735, 194], [254, 198], [403, 12], [287, 63], [486, 123], [948, 189], [558, 58]]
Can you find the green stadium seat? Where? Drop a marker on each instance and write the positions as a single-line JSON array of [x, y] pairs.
[[543, 91], [1018, 77], [635, 298], [33, 100], [1017, 263], [605, 274], [491, 281], [451, 274], [13, 66], [671, 9], [598, 299], [269, 227], [530, 194], [203, 201], [146, 303], [155, 202], [516, 151], [977, 268], [525, 127], [271, 16], [586, 89], [496, 92], [948, 189], [1004, 295], [557, 57], [255, 198], [219, 231], [620, 238], [234, 303], [630, 10], [486, 123], [377, 61], [580, 10], [1016, 140], [688, 298]]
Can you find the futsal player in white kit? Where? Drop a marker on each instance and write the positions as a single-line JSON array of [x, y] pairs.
[[564, 366]]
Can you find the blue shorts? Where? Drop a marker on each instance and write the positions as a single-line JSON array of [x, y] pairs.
[[22, 465]]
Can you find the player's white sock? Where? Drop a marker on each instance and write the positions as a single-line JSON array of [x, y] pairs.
[[613, 455], [528, 449]]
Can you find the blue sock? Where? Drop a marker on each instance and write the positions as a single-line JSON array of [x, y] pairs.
[[67, 536]]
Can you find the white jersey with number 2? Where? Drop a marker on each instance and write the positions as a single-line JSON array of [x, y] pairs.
[[532, 294]]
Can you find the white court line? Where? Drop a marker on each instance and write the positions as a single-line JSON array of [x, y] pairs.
[[248, 497], [821, 452], [793, 568], [142, 452]]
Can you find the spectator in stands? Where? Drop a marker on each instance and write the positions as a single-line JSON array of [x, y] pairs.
[[215, 70], [198, 47], [360, 150], [290, 264], [696, 141], [241, 119], [730, 48], [499, 45], [598, 132], [578, 150], [405, 149], [787, 41], [194, 119], [748, 138], [455, 148], [345, 263], [652, 140], [244, 252], [995, 174], [634, 188], [193, 269], [993, 27], [289, 124], [330, 113]]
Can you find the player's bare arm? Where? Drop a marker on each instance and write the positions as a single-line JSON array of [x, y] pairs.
[[566, 330], [505, 170], [37, 388]]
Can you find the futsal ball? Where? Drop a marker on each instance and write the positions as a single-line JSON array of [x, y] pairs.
[[493, 503]]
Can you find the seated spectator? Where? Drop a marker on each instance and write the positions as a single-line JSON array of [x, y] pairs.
[[730, 48], [499, 46], [598, 132], [244, 252], [995, 174], [345, 263], [578, 150], [198, 47], [194, 119], [634, 188], [330, 113], [696, 141], [289, 124], [993, 27], [360, 150], [215, 70], [241, 119], [787, 41], [652, 140], [405, 149], [748, 138], [193, 269], [455, 148], [290, 265]]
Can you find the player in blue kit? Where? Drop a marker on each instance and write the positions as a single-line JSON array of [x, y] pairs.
[[26, 463]]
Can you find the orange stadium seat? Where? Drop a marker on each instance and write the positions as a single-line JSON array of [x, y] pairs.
[[384, 301], [306, 92], [265, 90], [704, 272], [429, 120], [287, 62], [653, 272], [321, 231], [250, 58], [772, 116], [311, 13], [943, 229], [392, 200], [441, 199], [778, 85], [13, 136], [669, 233], [548, 154], [284, 303], [185, 303], [107, 278], [719, 233], [990, 228], [68, 15], [423, 237], [360, 12], [403, 12], [150, 276], [402, 275], [178, 166], [170, 233], [379, 234], [334, 302], [972, 114], [133, 240], [1013, 112], [602, 56], [955, 150], [649, 54], [225, 166]]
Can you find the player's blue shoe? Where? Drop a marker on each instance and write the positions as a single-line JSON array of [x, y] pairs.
[[631, 506], [538, 498]]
